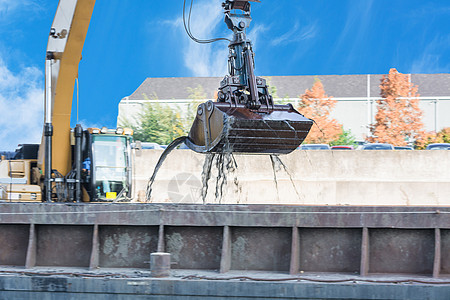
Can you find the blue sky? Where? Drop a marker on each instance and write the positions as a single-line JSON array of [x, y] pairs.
[[130, 40]]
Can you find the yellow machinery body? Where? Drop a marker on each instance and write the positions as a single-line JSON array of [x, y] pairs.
[[16, 183]]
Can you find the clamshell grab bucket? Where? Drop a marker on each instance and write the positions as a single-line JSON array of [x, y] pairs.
[[223, 127]]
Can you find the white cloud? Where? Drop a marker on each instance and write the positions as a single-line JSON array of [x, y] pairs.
[[296, 35], [431, 59], [427, 63], [206, 23], [21, 106], [21, 89], [254, 34], [430, 10], [206, 59], [358, 19], [357, 25], [178, 23], [9, 5], [89, 124]]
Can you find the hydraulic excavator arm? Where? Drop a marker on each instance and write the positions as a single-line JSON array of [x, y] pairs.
[[65, 44], [64, 47], [244, 118], [99, 169]]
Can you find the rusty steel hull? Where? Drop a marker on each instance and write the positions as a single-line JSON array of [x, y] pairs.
[[290, 239], [99, 251]]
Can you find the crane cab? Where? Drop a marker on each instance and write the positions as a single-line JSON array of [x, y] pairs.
[[101, 170], [106, 164]]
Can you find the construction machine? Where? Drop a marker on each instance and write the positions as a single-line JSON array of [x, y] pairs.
[[16, 180], [73, 164], [95, 164], [244, 117]]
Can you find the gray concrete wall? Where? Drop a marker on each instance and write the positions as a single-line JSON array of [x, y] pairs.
[[311, 178]]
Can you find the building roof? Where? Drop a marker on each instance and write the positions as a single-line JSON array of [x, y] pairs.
[[430, 85]]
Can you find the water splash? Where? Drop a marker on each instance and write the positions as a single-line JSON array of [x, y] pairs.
[[162, 158], [223, 162], [206, 174]]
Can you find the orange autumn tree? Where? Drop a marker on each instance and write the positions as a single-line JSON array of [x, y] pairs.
[[317, 105], [399, 118], [443, 136]]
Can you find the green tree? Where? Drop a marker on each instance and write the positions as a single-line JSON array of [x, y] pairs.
[[345, 138], [126, 123], [158, 124], [443, 136]]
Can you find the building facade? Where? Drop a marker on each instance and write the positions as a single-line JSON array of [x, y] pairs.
[[355, 95]]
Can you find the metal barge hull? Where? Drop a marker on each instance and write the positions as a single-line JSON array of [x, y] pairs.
[[78, 251]]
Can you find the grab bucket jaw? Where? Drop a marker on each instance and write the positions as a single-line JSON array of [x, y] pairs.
[[224, 127], [244, 119]]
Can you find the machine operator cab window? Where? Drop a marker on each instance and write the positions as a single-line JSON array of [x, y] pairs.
[[111, 179]]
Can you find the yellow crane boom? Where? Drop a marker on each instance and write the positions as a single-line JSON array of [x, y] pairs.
[[65, 44]]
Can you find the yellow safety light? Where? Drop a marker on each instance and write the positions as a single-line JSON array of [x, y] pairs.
[[94, 130], [119, 130], [128, 131], [104, 130]]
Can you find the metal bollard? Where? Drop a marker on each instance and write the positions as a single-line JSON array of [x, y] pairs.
[[160, 264]]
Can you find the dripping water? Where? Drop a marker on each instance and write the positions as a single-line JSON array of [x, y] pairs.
[[277, 164], [163, 156], [293, 129], [320, 129], [223, 162], [275, 167], [206, 174]]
